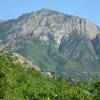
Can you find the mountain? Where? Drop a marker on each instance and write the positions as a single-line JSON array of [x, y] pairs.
[[53, 40]]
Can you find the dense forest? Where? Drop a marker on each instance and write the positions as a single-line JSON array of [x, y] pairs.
[[22, 83]]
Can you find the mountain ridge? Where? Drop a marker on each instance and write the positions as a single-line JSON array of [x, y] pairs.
[[65, 41]]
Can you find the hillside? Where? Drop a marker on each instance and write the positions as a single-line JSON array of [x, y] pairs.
[[15, 58], [18, 82], [54, 41]]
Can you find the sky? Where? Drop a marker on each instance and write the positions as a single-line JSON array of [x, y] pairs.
[[89, 9]]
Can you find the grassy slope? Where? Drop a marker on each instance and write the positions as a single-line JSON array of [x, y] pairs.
[[22, 83], [38, 53]]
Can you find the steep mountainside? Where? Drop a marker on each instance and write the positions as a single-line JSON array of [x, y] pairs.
[[54, 41]]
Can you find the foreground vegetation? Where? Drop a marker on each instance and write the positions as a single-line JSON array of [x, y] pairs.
[[22, 83]]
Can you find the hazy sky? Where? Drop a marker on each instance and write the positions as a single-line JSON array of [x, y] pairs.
[[89, 9]]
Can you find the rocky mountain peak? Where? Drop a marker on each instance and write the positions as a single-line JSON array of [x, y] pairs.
[[63, 36], [45, 10], [45, 20]]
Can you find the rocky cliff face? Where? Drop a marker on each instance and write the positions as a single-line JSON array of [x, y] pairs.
[[71, 37]]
